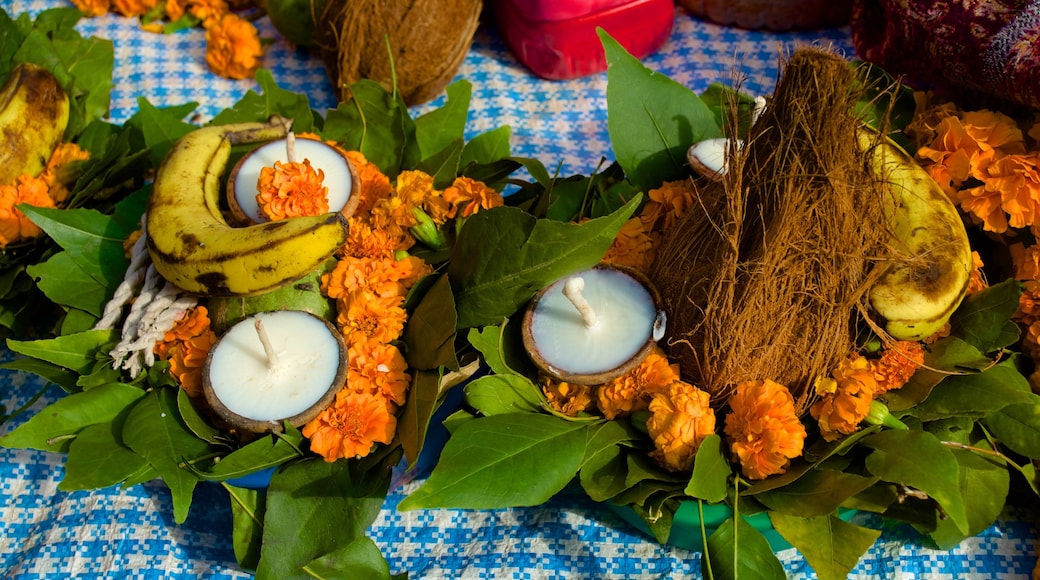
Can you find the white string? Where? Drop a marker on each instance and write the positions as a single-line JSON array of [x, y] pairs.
[[135, 272]]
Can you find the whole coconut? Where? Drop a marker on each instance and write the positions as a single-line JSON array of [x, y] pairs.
[[427, 39]]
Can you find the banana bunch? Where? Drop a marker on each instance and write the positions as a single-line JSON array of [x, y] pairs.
[[34, 112], [192, 245], [916, 295]]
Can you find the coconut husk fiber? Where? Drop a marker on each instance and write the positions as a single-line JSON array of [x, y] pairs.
[[428, 40], [766, 277]]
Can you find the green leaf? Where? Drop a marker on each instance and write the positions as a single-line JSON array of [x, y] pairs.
[[817, 493], [502, 351], [373, 122], [268, 451], [53, 428], [919, 460], [831, 545], [154, 430], [503, 256], [603, 475], [710, 478], [444, 165], [441, 127], [652, 120], [98, 458], [740, 551], [76, 352], [93, 240], [479, 465], [975, 394], [984, 479], [274, 100], [721, 99], [430, 331], [52, 373], [358, 560], [315, 508], [247, 514], [64, 282], [983, 320], [194, 420], [160, 127], [1018, 427], [488, 147], [504, 394]]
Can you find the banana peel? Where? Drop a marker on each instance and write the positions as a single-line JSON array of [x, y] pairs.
[[915, 297], [34, 113]]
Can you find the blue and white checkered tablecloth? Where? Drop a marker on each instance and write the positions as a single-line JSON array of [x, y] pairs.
[[130, 533]]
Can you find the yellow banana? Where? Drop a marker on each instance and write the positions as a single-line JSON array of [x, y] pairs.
[[916, 295], [193, 246], [34, 112]]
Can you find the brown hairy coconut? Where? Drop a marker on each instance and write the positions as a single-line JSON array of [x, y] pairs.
[[427, 38], [766, 277]]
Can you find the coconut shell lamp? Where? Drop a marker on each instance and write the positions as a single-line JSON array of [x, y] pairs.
[[593, 326]]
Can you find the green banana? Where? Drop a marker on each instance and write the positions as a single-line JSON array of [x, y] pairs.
[[917, 295], [34, 112], [193, 246]]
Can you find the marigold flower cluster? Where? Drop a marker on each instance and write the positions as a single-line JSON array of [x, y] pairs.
[[981, 160], [186, 346], [233, 47], [369, 283], [44, 190], [292, 189], [635, 244]]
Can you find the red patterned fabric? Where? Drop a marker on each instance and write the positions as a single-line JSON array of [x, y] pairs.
[[989, 46]]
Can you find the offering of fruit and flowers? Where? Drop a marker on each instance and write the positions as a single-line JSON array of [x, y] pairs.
[[776, 369]]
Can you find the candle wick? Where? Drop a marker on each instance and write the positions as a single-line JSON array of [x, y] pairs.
[[572, 290], [290, 146], [272, 356]]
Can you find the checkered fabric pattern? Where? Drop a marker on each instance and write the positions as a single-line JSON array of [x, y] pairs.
[[130, 533]]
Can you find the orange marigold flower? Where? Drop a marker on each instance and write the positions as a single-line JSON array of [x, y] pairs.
[[175, 9], [14, 225], [667, 204], [373, 184], [292, 189], [364, 241], [351, 426], [846, 398], [567, 398], [133, 7], [63, 155], [92, 8], [621, 396], [1017, 180], [379, 369], [186, 346], [208, 11], [414, 187], [1029, 304], [470, 195], [897, 363], [983, 204], [363, 315], [632, 246], [394, 216], [233, 47], [1031, 341], [631, 391], [680, 419], [763, 428]]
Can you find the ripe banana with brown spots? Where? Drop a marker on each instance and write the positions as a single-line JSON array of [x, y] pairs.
[[193, 246], [919, 292], [34, 113]]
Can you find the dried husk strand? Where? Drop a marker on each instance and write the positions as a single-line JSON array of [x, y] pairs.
[[767, 277], [428, 40]]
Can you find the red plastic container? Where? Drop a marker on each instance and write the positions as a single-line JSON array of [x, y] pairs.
[[557, 39]]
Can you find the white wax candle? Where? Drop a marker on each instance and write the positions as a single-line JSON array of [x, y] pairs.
[[307, 363], [624, 321], [338, 178]]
